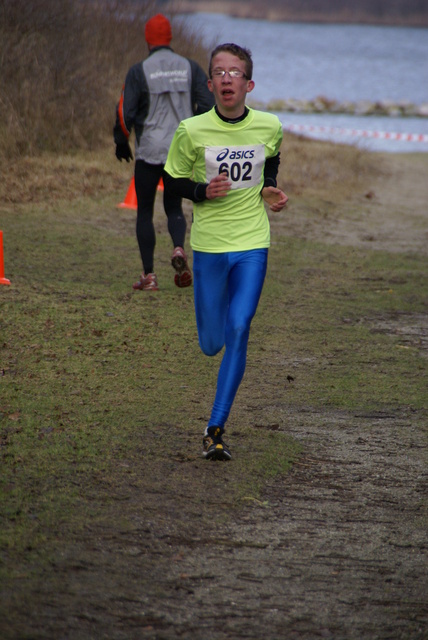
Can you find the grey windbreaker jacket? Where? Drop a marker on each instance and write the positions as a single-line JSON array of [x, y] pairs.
[[158, 93]]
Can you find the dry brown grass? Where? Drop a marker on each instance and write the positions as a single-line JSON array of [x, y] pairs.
[[327, 169], [49, 178], [62, 67], [308, 167]]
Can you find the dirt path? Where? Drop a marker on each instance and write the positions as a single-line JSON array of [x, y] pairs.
[[389, 214], [339, 548]]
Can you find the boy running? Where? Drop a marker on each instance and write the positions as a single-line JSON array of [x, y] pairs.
[[226, 161]]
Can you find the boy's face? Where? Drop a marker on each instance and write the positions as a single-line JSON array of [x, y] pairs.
[[229, 92]]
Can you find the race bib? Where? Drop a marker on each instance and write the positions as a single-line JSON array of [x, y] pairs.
[[243, 164]]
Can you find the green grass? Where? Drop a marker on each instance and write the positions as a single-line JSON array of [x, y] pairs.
[[96, 377], [104, 389], [333, 300]]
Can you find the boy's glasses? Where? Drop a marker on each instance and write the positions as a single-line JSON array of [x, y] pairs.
[[233, 73]]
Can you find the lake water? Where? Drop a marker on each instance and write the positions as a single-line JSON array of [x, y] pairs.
[[340, 62]]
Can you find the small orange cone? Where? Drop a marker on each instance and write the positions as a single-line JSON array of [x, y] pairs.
[[130, 201], [3, 280]]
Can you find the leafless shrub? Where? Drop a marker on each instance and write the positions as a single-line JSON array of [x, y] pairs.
[[62, 66]]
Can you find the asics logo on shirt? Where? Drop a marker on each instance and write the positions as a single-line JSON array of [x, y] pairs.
[[243, 164], [235, 155]]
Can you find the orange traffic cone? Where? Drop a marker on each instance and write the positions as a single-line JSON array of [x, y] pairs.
[[3, 280], [130, 201]]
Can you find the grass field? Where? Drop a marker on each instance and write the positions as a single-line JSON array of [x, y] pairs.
[[99, 382]]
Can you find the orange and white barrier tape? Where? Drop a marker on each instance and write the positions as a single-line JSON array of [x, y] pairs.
[[382, 135]]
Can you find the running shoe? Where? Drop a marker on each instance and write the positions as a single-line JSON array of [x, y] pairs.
[[147, 283], [183, 276], [213, 446]]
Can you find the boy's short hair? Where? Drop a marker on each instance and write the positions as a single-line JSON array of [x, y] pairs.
[[240, 52]]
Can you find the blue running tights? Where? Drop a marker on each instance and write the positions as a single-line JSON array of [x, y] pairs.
[[227, 289]]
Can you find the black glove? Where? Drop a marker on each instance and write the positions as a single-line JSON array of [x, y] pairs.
[[123, 150]]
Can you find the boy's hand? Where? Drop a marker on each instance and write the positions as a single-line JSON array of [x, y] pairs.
[[218, 187], [275, 198]]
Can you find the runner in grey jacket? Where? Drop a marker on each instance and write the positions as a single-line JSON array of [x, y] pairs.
[[158, 93]]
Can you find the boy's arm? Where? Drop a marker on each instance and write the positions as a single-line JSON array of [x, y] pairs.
[[218, 187], [271, 171], [185, 188]]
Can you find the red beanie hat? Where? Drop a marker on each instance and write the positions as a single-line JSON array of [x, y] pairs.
[[158, 30]]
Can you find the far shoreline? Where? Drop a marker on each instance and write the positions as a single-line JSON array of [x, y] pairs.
[[253, 12]]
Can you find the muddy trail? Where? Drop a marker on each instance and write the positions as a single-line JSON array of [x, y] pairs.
[[335, 549]]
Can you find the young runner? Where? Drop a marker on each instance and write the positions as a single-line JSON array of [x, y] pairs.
[[226, 162]]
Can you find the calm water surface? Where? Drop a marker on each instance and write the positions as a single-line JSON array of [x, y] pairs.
[[341, 62]]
